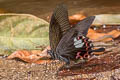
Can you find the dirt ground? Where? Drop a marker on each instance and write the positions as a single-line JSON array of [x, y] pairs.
[[17, 70]]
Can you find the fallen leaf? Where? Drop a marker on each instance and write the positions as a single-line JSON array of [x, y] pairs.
[[95, 36], [33, 56], [76, 18], [25, 55], [22, 31]]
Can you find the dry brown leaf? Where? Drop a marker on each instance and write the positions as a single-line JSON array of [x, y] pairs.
[[76, 18], [93, 35], [25, 55], [33, 56]]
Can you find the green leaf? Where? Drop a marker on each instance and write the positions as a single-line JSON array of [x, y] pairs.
[[22, 31]]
